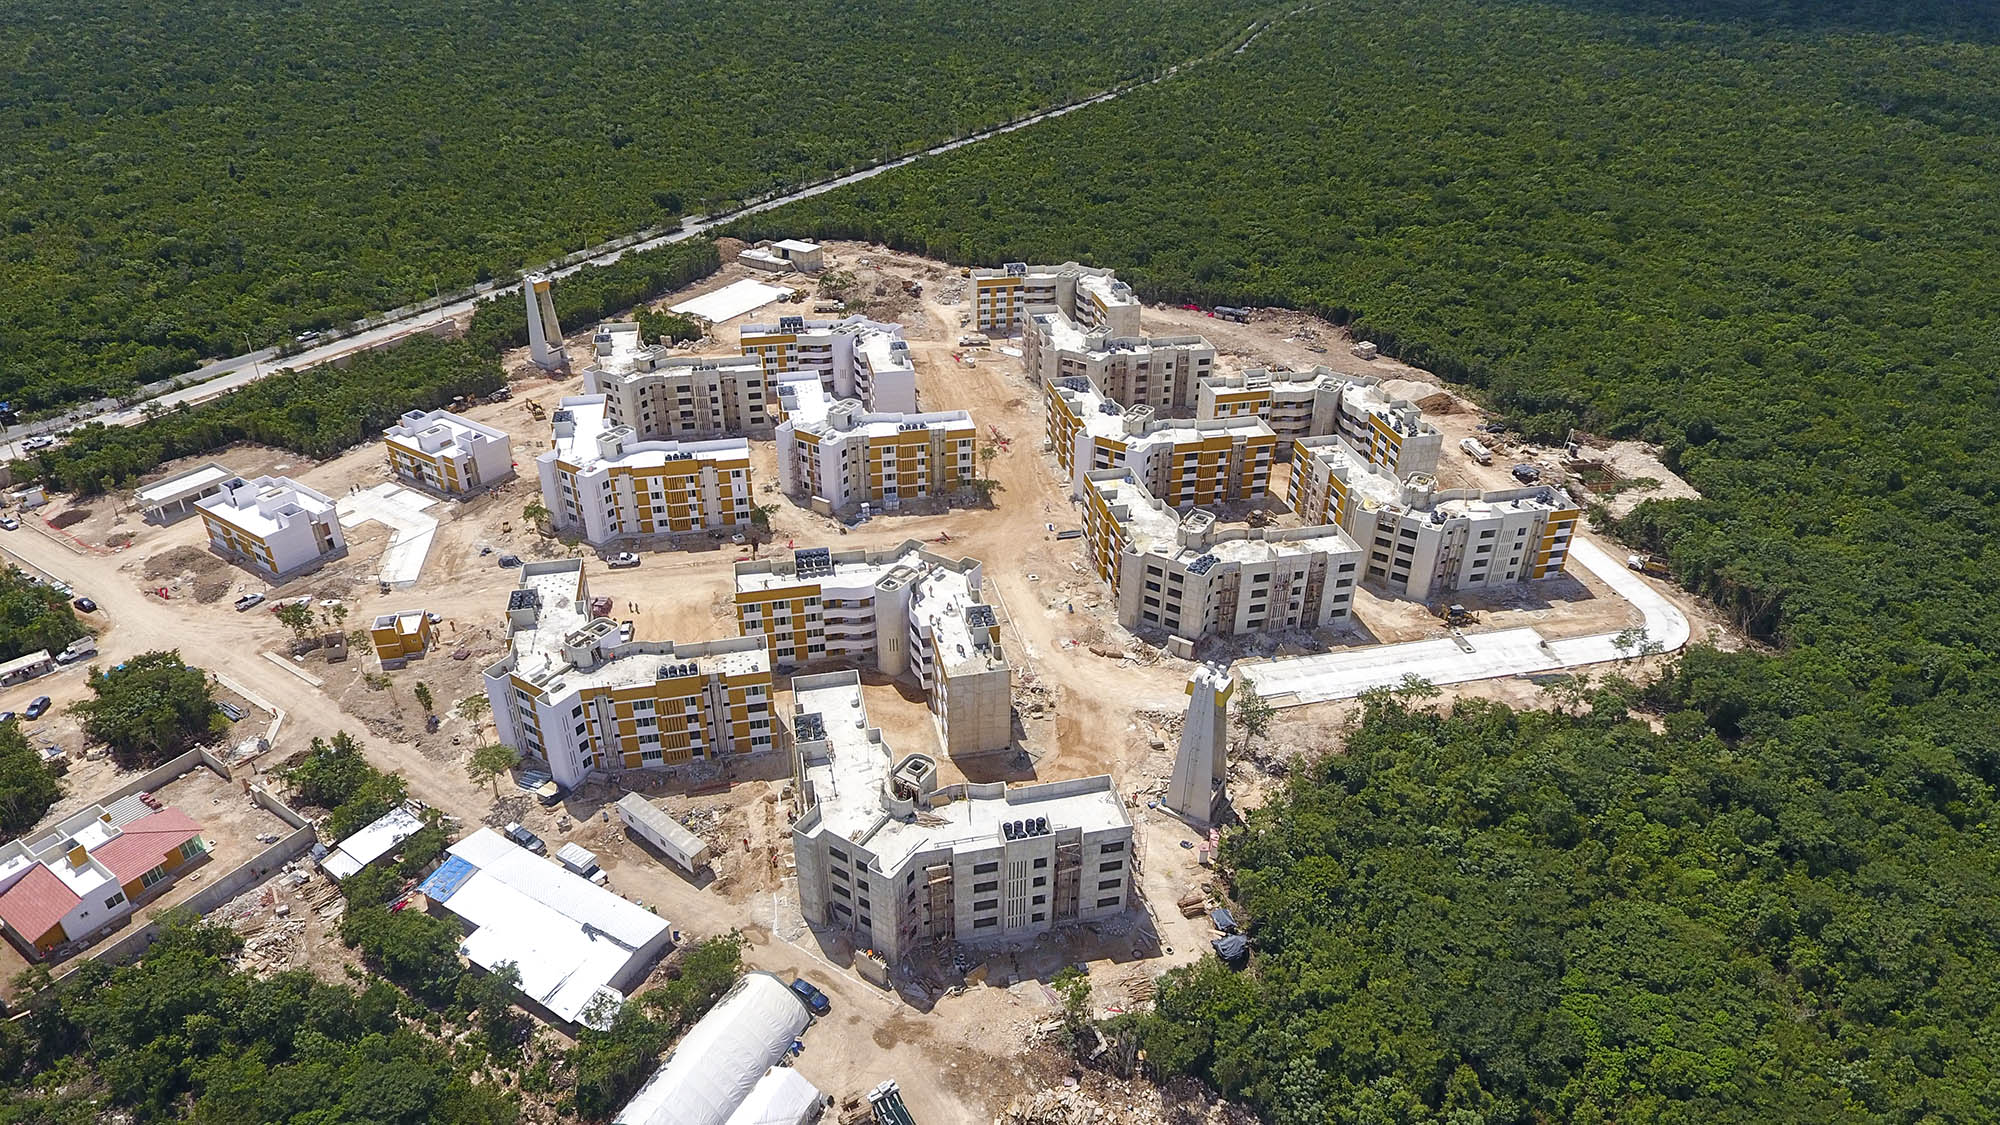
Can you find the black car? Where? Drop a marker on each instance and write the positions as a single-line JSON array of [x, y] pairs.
[[510, 561], [37, 708], [814, 1000], [7, 716], [525, 839], [85, 604]]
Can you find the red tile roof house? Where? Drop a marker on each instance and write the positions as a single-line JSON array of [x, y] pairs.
[[91, 870]]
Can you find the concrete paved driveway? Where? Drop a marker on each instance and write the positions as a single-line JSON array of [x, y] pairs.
[[1510, 652]]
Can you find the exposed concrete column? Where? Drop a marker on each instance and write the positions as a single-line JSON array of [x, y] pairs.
[[1201, 767]]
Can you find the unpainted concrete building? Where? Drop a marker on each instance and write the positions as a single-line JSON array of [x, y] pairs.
[[1180, 573], [890, 857], [904, 611]]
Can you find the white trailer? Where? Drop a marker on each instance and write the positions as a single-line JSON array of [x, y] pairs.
[[1477, 451], [645, 820]]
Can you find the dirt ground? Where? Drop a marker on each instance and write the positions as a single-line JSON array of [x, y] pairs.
[[231, 825], [1091, 698]]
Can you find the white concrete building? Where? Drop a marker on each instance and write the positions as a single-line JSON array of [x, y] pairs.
[[1180, 573], [838, 456], [662, 395], [905, 612], [604, 484], [1163, 372], [1389, 431], [571, 694], [170, 498], [1184, 462], [886, 854], [1423, 542], [855, 358], [275, 526], [576, 945], [445, 453], [1003, 299]]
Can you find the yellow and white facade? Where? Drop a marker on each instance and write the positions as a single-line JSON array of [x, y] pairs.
[[1423, 542], [837, 456], [1389, 431], [442, 452], [1180, 573], [275, 526], [1182, 462], [903, 611], [1003, 299], [401, 636], [857, 358], [570, 693], [605, 485]]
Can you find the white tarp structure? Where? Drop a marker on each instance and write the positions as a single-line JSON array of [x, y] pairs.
[[721, 1059], [370, 844], [731, 300], [781, 1097], [572, 941]]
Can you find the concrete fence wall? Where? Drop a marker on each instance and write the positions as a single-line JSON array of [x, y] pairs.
[[253, 871], [167, 771]]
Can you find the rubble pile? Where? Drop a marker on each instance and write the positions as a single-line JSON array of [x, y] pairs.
[[1102, 1100]]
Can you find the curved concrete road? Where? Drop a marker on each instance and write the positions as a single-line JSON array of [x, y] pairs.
[[1299, 680]]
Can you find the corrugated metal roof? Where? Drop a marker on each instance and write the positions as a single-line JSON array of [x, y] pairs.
[[36, 903]]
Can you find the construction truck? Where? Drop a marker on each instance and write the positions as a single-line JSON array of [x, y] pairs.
[[1476, 450], [1648, 564]]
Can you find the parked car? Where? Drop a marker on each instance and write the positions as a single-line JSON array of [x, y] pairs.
[[510, 561], [38, 708], [85, 604], [1526, 473], [624, 632], [248, 602], [814, 1000], [621, 560], [8, 716], [526, 839], [234, 712], [10, 523]]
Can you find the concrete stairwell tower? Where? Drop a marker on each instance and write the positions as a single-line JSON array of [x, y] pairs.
[[1202, 767], [545, 340]]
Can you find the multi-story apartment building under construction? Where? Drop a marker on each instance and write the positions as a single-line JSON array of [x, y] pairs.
[[1163, 372], [1004, 299], [604, 484], [1183, 462], [662, 395], [856, 358], [1424, 542], [1181, 573], [571, 693], [888, 855], [903, 611], [274, 525], [1391, 432], [445, 453], [837, 456]]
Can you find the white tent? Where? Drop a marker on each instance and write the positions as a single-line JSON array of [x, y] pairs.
[[721, 1058], [781, 1097]]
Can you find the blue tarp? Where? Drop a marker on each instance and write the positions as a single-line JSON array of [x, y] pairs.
[[445, 881], [1224, 920], [1232, 949]]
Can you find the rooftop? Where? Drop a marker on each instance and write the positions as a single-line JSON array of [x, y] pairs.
[[266, 504], [371, 843], [568, 937], [584, 439], [169, 489], [441, 431], [1102, 417], [848, 782], [562, 648]]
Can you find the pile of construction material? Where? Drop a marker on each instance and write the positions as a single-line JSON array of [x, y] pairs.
[[1102, 1100]]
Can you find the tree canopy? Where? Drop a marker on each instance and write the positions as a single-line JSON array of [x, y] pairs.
[[33, 616], [149, 709], [27, 788]]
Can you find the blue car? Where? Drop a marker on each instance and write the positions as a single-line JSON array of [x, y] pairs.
[[814, 1000]]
